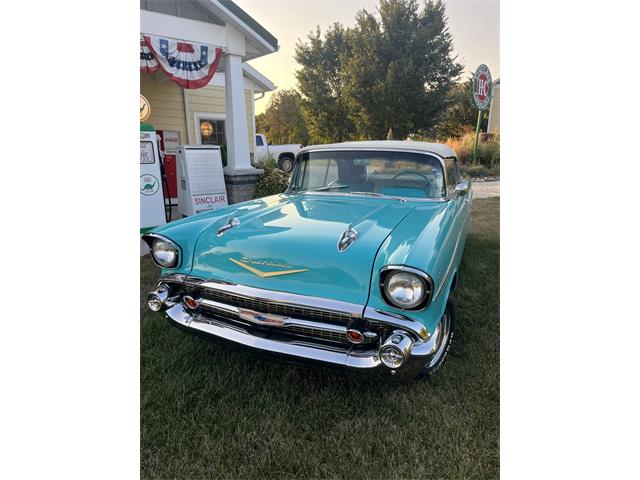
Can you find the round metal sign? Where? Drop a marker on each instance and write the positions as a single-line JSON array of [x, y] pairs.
[[145, 109], [482, 87], [149, 184]]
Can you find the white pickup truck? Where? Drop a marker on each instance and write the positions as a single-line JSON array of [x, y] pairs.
[[284, 154]]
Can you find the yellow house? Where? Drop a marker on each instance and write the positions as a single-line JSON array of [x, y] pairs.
[[222, 112], [185, 111]]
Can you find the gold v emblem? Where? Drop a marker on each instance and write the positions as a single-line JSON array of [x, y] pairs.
[[264, 274]]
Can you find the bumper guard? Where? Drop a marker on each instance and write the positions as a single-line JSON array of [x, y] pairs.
[[352, 360]]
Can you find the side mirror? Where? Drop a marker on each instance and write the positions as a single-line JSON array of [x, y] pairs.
[[462, 188]]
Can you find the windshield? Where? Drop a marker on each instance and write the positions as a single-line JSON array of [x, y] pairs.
[[399, 174]]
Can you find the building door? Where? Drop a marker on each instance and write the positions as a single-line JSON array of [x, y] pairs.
[[210, 131]]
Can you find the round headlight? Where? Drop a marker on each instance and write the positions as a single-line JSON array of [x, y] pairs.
[[404, 289], [165, 253]]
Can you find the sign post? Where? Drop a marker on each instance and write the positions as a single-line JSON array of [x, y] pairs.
[[482, 93]]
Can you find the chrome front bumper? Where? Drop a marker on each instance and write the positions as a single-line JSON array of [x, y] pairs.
[[350, 359]]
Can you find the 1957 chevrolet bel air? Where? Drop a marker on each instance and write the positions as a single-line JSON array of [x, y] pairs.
[[352, 266]]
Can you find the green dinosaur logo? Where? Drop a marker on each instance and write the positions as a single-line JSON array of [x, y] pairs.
[[149, 185]]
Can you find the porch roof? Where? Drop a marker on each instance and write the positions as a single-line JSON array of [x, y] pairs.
[[256, 34]]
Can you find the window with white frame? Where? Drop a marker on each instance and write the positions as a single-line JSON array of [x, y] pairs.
[[210, 130]]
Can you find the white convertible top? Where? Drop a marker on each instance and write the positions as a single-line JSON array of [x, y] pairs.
[[439, 149]]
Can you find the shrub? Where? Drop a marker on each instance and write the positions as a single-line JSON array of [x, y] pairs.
[[488, 151], [272, 181], [474, 171]]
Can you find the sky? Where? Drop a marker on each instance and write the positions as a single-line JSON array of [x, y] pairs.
[[474, 25]]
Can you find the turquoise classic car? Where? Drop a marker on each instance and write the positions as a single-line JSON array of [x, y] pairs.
[[352, 267]]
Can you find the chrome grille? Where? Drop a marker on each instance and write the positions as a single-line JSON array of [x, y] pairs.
[[288, 310], [313, 332], [310, 332], [283, 309]]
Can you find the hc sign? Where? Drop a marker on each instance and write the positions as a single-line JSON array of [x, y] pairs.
[[482, 87]]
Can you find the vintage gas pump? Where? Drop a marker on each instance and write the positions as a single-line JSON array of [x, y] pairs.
[[201, 179], [169, 141], [152, 206]]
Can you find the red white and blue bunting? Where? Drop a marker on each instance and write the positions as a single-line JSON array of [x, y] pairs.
[[148, 62], [190, 65]]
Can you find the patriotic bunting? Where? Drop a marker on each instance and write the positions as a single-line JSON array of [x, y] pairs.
[[148, 62], [190, 65]]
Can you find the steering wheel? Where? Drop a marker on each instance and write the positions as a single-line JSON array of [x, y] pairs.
[[413, 172], [428, 186]]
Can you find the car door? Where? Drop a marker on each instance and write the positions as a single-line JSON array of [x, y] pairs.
[[261, 150], [460, 205]]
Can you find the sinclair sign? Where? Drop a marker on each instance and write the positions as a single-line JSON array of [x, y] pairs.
[[482, 87]]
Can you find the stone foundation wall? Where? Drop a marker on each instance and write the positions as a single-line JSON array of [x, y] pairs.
[[241, 186]]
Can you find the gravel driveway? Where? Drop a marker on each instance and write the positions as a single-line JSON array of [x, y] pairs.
[[485, 189]]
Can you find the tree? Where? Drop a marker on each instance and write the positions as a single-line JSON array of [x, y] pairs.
[[282, 121], [325, 107], [460, 115], [400, 68], [390, 71]]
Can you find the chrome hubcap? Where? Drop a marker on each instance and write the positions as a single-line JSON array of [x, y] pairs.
[[444, 327]]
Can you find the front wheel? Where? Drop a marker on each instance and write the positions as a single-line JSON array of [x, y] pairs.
[[446, 327]]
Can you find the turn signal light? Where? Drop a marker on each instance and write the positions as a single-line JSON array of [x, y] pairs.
[[190, 302], [355, 336]]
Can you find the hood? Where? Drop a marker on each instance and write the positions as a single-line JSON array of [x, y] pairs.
[[290, 244]]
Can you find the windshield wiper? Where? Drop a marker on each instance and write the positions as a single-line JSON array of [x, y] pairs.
[[329, 187], [375, 194]]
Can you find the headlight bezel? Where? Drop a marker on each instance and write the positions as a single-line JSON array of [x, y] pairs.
[[152, 238], [388, 270]]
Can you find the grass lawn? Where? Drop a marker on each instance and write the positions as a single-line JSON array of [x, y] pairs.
[[210, 412]]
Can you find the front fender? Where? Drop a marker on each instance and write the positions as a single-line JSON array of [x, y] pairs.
[[430, 240]]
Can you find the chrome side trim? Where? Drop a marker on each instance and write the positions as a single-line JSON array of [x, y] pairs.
[[448, 272], [275, 296]]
